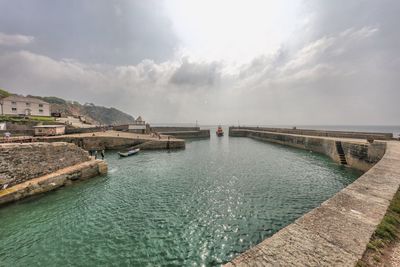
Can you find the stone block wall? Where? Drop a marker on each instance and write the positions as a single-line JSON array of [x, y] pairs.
[[363, 156], [359, 155], [339, 134], [110, 142], [189, 134], [22, 162], [166, 129], [73, 130]]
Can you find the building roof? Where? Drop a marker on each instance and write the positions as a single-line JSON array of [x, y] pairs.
[[18, 98], [49, 126]]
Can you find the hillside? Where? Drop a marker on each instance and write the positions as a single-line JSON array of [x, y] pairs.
[[92, 113], [3, 93]]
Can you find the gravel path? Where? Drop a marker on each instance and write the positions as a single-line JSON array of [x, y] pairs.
[[394, 259]]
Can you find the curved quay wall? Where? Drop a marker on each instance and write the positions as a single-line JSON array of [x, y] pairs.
[[337, 232], [29, 169], [116, 140]]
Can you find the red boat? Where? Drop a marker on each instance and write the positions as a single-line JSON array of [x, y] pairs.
[[219, 131]]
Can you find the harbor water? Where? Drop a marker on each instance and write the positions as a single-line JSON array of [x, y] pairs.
[[195, 207]]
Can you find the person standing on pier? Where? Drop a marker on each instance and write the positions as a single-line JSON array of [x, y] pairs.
[[7, 136]]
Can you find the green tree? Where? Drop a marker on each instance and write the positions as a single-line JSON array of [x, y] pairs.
[[4, 93]]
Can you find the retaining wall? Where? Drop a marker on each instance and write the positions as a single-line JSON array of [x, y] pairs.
[[18, 132], [72, 130], [337, 232], [21, 162]]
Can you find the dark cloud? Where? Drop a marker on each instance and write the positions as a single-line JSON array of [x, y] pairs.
[[196, 73], [101, 31], [341, 69]]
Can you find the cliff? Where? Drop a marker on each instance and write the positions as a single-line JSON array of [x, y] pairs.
[[92, 113]]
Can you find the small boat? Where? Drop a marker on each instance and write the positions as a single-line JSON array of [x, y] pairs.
[[129, 153], [219, 131]]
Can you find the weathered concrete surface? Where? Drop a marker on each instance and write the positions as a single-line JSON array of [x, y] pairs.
[[335, 233], [21, 162], [116, 140], [53, 180]]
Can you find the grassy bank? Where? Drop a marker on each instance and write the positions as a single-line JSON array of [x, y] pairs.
[[26, 119], [386, 234]]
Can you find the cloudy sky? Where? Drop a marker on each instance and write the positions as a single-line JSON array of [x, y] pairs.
[[216, 61]]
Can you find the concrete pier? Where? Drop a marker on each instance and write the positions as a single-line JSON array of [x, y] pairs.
[[337, 232]]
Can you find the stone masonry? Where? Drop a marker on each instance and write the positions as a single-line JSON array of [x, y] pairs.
[[337, 232], [22, 162]]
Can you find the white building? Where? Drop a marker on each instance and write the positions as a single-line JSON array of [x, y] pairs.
[[21, 105], [138, 127]]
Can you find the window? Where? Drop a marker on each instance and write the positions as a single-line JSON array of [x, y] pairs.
[[28, 104], [13, 103], [40, 105], [41, 110], [14, 109]]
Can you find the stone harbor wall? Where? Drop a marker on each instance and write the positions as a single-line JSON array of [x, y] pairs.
[[21, 162], [363, 156], [54, 180], [340, 134], [189, 134], [338, 231], [359, 154], [118, 140], [166, 129]]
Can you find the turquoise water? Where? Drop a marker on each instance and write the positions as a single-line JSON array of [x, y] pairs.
[[195, 207]]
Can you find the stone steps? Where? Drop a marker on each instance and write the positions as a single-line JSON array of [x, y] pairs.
[[342, 156]]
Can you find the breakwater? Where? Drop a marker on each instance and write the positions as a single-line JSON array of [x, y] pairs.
[[182, 132], [358, 153], [31, 168], [116, 140], [324, 133], [189, 134], [337, 232]]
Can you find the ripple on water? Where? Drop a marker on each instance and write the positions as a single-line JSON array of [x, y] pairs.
[[199, 206]]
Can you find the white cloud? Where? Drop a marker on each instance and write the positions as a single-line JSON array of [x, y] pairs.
[[15, 39], [328, 74]]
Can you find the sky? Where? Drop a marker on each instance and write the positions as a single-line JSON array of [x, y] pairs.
[[259, 62]]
